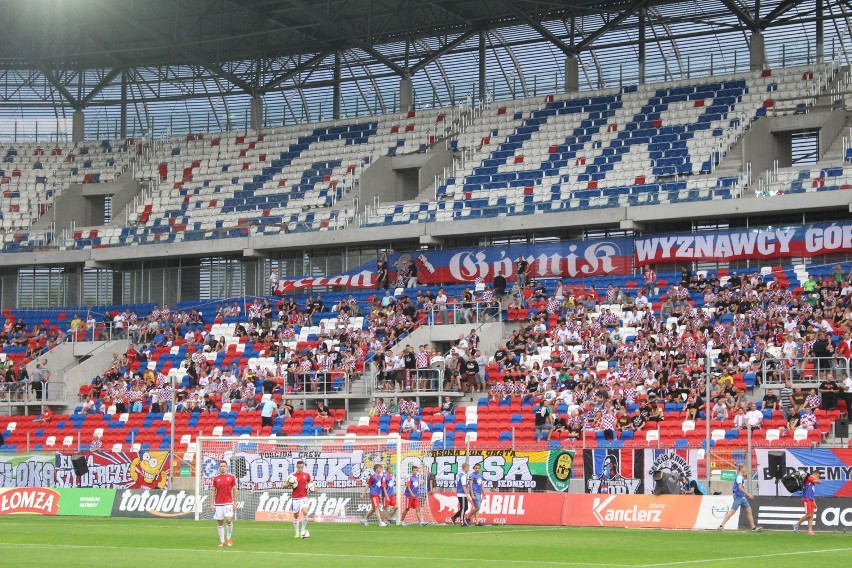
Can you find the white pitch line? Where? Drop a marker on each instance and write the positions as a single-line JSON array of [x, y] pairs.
[[12, 546], [751, 557], [477, 531]]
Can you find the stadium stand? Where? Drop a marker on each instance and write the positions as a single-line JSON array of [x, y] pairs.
[[33, 175], [598, 354], [646, 145], [632, 146]]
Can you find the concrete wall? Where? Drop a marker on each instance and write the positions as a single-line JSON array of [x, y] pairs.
[[770, 139], [402, 178], [761, 148], [99, 358], [490, 335], [123, 191], [759, 209], [62, 364], [83, 203]]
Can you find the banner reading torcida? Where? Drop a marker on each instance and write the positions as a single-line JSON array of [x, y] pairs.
[[631, 511]]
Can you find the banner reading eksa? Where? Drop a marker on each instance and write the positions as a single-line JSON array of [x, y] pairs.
[[631, 511]]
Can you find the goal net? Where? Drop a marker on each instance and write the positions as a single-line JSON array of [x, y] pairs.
[[339, 467]]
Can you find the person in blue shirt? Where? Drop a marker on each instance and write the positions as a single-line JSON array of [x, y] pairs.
[[375, 487], [412, 497], [691, 487], [741, 500], [389, 498], [475, 485], [463, 494], [808, 502]]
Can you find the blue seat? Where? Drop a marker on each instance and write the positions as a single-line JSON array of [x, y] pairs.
[[732, 434], [505, 437], [516, 419]]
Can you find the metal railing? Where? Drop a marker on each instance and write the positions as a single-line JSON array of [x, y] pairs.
[[465, 313], [26, 394], [415, 381], [801, 370]]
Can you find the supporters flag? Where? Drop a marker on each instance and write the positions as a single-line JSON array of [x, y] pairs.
[[614, 471]]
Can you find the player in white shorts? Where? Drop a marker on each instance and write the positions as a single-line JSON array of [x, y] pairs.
[[300, 502], [224, 497]]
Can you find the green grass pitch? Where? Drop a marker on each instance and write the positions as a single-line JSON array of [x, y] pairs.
[[89, 542]]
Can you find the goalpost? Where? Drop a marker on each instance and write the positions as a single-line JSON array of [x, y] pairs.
[[338, 465]]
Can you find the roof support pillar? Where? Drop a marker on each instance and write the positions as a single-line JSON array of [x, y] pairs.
[[572, 74], [123, 111], [756, 52], [820, 32], [642, 55], [406, 94], [482, 86], [335, 95], [256, 118], [78, 126]]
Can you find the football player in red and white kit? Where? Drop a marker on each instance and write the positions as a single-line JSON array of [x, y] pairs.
[[224, 497], [299, 502]]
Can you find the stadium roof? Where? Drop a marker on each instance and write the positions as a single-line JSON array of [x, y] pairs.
[[61, 55]]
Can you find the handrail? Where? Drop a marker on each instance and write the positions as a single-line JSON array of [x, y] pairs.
[[776, 370]]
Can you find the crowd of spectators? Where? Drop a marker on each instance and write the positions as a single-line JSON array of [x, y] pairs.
[[613, 357], [338, 351], [571, 351]]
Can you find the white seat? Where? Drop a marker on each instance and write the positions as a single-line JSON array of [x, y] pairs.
[[470, 437], [717, 434], [688, 426], [50, 441], [124, 417], [773, 434], [135, 447], [652, 436], [364, 421], [11, 426], [217, 431], [111, 410], [67, 441], [226, 407], [116, 447], [185, 439], [437, 437], [167, 416], [800, 434]]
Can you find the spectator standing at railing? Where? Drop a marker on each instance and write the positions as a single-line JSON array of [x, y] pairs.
[[650, 280], [823, 352], [499, 285], [829, 392], [521, 268], [382, 275], [452, 373], [441, 305], [119, 322], [273, 281], [78, 326]]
